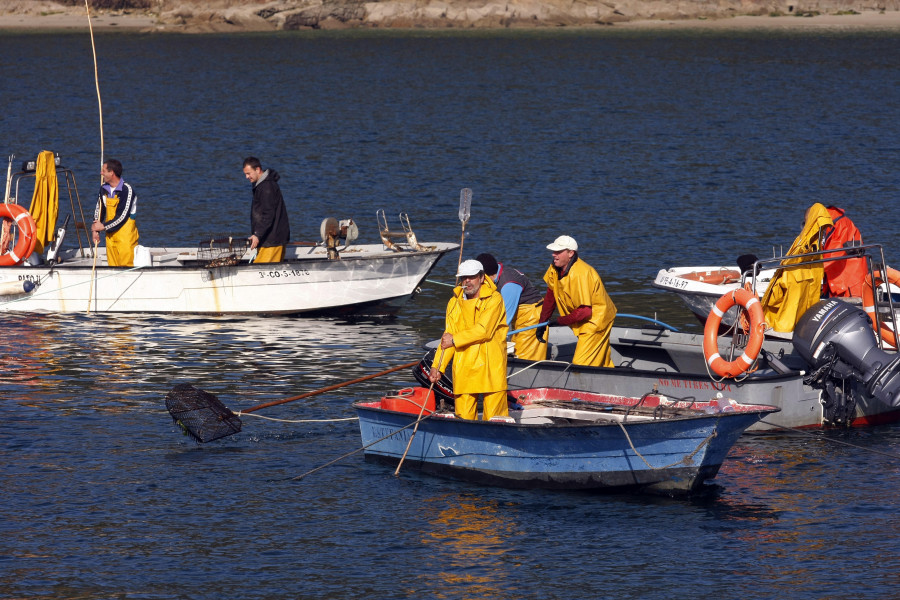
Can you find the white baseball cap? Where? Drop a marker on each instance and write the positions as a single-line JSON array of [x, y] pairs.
[[563, 242], [468, 268]]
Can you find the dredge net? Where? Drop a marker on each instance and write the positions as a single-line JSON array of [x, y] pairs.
[[222, 251], [200, 414]]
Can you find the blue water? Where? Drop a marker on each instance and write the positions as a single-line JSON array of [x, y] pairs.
[[651, 149]]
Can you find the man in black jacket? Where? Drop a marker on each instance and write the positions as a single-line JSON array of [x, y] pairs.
[[268, 215]]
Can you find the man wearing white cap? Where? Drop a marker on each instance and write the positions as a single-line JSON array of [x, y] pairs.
[[576, 288], [475, 339]]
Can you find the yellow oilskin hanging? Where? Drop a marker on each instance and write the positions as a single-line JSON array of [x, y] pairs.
[[120, 244], [794, 290], [45, 201]]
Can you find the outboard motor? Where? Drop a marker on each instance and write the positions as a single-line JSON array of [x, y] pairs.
[[837, 340], [443, 388]]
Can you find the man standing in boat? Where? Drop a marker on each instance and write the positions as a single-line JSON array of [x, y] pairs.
[[576, 288], [475, 340], [523, 306], [270, 230], [118, 220]]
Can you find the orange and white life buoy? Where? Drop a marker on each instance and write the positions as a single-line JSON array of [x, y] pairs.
[[868, 296], [752, 305], [27, 239]]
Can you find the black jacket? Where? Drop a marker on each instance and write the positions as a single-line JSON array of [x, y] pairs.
[[268, 215]]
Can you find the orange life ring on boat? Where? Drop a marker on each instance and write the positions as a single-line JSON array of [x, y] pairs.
[[27, 239], [751, 304], [868, 296]]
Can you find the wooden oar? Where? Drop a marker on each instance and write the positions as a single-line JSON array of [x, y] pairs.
[[202, 416], [465, 211]]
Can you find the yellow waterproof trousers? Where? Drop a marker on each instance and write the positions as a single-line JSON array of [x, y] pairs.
[[528, 347], [269, 254], [120, 244], [593, 349], [494, 406]]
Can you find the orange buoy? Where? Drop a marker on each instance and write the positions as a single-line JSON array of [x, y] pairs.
[[751, 304], [27, 239], [868, 296]]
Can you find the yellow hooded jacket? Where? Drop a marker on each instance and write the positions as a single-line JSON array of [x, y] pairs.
[[794, 290], [479, 329], [45, 201], [582, 286]]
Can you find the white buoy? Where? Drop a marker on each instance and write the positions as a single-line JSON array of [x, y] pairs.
[[16, 288]]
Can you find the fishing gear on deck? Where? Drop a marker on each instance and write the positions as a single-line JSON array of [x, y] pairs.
[[202, 415]]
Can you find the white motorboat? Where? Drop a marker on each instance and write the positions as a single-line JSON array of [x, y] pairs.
[[217, 276], [700, 287]]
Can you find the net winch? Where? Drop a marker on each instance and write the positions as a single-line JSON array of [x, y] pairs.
[[334, 232]]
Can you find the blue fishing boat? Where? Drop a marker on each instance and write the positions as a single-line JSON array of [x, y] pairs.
[[561, 439]]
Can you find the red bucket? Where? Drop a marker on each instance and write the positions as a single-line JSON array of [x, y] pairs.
[[409, 400]]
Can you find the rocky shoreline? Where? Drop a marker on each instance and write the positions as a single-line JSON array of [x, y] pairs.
[[215, 16]]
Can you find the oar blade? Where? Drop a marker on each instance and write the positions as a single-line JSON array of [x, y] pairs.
[[200, 414], [465, 205]]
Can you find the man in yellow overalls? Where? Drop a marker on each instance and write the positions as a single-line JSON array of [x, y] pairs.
[[475, 339], [114, 215], [576, 288]]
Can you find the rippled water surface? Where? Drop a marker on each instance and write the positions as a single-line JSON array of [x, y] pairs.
[[651, 149]]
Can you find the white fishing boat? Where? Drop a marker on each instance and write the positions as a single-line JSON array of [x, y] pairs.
[[700, 287], [214, 276]]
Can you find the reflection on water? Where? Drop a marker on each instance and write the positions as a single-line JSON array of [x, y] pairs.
[[469, 538]]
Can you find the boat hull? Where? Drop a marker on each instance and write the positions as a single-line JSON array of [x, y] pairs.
[[366, 279], [680, 454]]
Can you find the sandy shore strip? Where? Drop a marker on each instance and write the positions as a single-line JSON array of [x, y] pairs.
[[40, 16]]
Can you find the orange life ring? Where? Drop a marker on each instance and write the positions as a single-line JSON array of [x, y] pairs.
[[868, 296], [711, 333], [27, 239]]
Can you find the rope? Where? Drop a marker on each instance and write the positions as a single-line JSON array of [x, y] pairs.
[[440, 283], [686, 460], [96, 78], [823, 438], [240, 414], [342, 457]]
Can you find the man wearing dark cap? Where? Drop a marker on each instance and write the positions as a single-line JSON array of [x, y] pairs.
[[523, 306], [576, 288]]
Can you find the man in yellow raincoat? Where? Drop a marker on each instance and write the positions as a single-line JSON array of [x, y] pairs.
[[576, 288], [115, 214], [793, 290], [475, 339]]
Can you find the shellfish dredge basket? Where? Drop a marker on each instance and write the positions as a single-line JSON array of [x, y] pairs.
[[200, 414], [222, 251]]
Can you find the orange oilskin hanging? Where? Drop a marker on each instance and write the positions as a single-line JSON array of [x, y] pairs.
[[843, 278]]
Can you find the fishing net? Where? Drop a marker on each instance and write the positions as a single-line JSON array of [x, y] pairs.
[[200, 414], [221, 251]]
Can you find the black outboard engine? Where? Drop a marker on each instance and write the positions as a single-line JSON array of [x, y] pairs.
[[837, 340], [443, 388]]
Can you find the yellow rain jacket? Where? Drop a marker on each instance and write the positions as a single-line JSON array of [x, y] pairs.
[[794, 290], [582, 286], [479, 329], [45, 201]]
